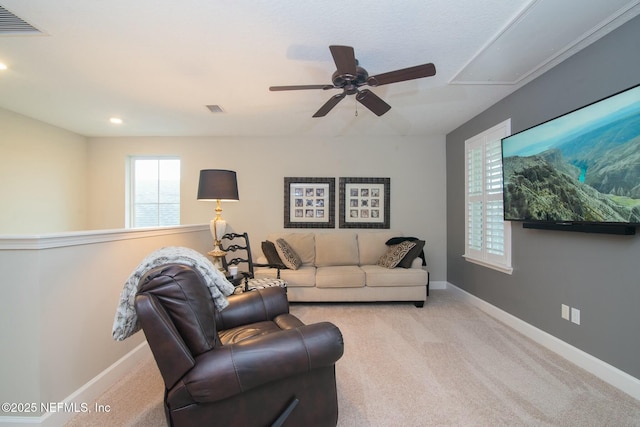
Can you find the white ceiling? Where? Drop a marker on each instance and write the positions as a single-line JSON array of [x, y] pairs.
[[158, 63]]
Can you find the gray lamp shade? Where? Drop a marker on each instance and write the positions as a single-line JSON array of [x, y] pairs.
[[217, 184]]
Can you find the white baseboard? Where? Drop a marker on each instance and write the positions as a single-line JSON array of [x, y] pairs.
[[87, 393], [437, 285], [595, 366]]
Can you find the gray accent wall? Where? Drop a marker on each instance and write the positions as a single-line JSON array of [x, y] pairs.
[[598, 274]]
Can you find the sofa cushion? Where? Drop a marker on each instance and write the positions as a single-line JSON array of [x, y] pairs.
[[394, 254], [343, 276], [336, 249], [377, 276], [288, 255], [302, 243], [305, 276], [371, 245]]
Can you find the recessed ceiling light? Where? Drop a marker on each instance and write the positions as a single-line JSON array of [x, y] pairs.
[[116, 120], [3, 66]]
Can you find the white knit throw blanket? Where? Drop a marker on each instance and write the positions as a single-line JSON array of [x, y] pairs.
[[126, 322]]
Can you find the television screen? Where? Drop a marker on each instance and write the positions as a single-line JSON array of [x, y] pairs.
[[582, 167]]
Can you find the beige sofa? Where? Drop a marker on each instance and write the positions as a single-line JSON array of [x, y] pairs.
[[342, 266]]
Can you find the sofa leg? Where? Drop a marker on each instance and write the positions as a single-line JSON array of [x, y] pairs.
[[419, 304]]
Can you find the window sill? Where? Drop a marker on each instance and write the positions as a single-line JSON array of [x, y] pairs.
[[507, 269]]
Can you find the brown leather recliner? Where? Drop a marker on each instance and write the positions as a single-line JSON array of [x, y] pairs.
[[251, 364]]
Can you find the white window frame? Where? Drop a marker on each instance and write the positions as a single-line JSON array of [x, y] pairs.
[[131, 191], [487, 235]]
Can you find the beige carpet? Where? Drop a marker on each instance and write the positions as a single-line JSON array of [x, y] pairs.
[[133, 401], [447, 364]]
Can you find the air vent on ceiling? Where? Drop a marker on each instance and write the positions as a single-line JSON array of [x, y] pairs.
[[215, 108], [11, 24]]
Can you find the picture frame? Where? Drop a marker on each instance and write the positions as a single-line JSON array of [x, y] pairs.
[[309, 202], [365, 202]]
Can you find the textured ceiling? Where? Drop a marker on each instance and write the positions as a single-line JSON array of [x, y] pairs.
[[158, 64]]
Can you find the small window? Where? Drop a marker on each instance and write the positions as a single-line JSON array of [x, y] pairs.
[[154, 192], [487, 235]]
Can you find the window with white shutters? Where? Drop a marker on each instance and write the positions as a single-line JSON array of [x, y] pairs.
[[487, 235]]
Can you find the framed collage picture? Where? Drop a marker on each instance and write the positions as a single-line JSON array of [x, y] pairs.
[[365, 202], [309, 202]]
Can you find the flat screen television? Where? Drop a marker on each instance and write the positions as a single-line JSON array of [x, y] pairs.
[[581, 168]]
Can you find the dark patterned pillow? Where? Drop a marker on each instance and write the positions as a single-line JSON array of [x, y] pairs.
[[396, 240], [394, 254], [288, 256], [271, 254], [412, 254]]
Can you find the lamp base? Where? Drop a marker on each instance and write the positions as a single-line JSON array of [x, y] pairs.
[[217, 254], [218, 227]]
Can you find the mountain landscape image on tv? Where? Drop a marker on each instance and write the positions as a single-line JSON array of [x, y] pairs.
[[581, 168]]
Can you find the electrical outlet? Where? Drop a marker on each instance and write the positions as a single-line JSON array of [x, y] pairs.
[[565, 311], [575, 316]]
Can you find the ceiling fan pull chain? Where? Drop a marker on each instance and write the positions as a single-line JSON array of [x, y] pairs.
[[356, 108]]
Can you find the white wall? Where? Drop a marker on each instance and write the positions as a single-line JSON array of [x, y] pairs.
[[43, 173], [416, 166], [60, 294], [56, 181]]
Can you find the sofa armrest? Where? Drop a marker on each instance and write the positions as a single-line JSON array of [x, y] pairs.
[[233, 369], [251, 307], [416, 263]]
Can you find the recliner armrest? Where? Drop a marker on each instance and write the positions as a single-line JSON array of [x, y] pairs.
[[252, 307], [233, 369]]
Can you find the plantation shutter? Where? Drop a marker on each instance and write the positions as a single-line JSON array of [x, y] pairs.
[[475, 199], [488, 238], [494, 215]]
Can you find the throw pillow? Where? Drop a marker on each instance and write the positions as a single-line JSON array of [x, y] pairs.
[[271, 254], [395, 253], [396, 240], [288, 256], [412, 254]]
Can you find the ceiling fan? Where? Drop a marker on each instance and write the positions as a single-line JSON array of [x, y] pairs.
[[349, 76]]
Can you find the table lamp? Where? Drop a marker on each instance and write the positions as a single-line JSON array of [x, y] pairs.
[[219, 185]]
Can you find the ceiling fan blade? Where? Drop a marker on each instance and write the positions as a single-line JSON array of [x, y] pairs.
[[345, 59], [328, 106], [411, 73], [373, 102], [300, 87]]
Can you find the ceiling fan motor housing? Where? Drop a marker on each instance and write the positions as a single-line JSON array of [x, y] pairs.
[[349, 82]]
